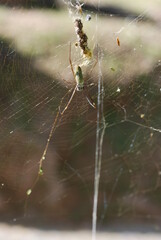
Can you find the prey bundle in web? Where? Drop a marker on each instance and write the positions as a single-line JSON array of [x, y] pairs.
[[76, 12], [82, 39]]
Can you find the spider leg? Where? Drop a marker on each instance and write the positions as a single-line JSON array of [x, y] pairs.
[[95, 63], [66, 107], [71, 65], [70, 60], [54, 125], [88, 97]]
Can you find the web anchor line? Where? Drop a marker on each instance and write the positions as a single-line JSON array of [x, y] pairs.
[[100, 131]]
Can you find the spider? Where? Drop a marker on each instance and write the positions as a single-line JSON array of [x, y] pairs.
[[80, 86]]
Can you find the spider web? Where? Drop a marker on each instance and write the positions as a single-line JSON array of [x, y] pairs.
[[36, 77]]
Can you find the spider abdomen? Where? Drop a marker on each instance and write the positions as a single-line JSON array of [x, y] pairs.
[[79, 78]]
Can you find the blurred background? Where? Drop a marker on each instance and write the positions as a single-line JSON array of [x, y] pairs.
[[36, 82]]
